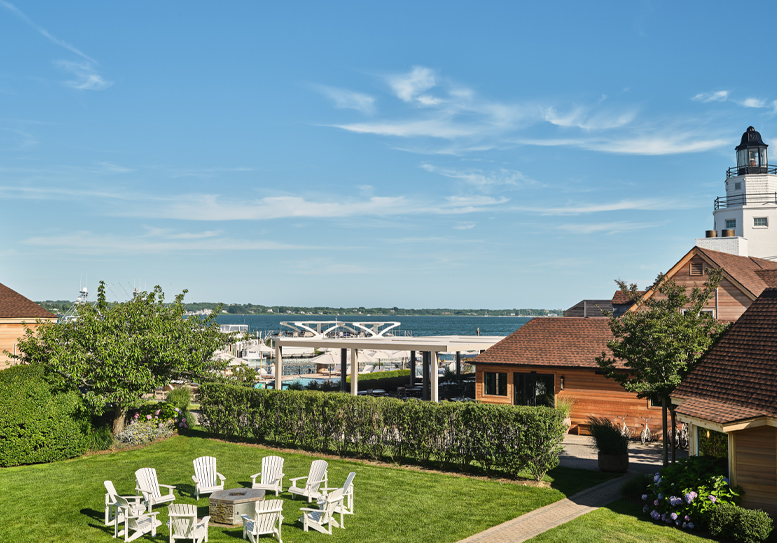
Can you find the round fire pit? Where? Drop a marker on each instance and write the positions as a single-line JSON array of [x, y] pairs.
[[226, 506]]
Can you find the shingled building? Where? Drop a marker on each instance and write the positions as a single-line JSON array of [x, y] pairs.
[[16, 311]]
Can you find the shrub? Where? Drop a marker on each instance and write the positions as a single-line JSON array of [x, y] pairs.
[[738, 524], [686, 493], [607, 436], [38, 423], [501, 438], [100, 439], [145, 431], [635, 487], [180, 397], [564, 404]]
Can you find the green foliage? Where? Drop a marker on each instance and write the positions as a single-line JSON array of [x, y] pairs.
[[714, 446], [635, 487], [564, 404], [686, 493], [119, 352], [507, 439], [145, 431], [38, 422], [180, 397], [100, 439], [740, 525], [607, 436], [378, 375], [663, 339], [387, 380]]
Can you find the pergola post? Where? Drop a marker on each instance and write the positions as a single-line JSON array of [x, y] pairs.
[[425, 384], [412, 368], [354, 372], [278, 367], [343, 368], [458, 367], [435, 374]]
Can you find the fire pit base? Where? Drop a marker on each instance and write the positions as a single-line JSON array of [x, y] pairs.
[[226, 506]]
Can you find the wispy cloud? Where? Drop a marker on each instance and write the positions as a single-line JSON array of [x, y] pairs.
[[114, 168], [86, 74], [346, 99], [585, 118], [662, 143], [705, 97], [481, 179], [408, 87], [647, 204], [752, 102], [86, 78], [151, 242], [465, 226], [608, 227]]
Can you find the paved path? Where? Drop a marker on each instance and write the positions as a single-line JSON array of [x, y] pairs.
[[578, 453]]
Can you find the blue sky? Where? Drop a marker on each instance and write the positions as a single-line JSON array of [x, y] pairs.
[[434, 154]]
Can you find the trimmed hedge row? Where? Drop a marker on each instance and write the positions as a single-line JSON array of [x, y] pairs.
[[37, 424], [387, 380], [507, 439]]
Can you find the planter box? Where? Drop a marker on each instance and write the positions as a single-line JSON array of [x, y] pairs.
[[614, 463]]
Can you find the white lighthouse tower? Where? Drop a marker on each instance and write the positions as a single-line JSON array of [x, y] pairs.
[[745, 219]]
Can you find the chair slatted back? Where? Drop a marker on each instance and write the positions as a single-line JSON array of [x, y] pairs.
[[266, 515], [205, 470], [111, 490], [333, 500], [183, 519], [272, 468], [317, 475], [147, 481], [348, 482]]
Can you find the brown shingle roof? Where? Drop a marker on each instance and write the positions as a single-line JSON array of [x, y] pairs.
[[555, 341], [15, 306], [743, 269], [620, 298], [739, 373]]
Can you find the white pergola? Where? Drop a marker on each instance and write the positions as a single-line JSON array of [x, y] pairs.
[[425, 344]]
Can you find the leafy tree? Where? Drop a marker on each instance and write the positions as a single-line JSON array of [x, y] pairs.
[[117, 353], [662, 340]]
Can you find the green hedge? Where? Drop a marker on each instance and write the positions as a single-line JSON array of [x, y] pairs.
[[507, 439], [38, 424], [387, 380]]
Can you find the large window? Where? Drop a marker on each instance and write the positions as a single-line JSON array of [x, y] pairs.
[[760, 221], [494, 384], [534, 389]]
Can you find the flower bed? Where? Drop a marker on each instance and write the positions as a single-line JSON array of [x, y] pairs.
[[152, 422]]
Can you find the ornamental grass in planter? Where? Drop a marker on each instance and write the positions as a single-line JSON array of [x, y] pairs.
[[612, 446]]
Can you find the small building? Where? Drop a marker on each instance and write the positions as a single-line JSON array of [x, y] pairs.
[[551, 358], [733, 390], [16, 311], [589, 308]]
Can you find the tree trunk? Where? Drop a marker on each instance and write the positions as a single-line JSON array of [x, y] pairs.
[[673, 416], [663, 423], [118, 419]]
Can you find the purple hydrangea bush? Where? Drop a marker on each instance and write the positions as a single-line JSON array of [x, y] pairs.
[[683, 494]]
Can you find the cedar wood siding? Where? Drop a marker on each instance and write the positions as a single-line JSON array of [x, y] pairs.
[[728, 303], [755, 461], [10, 332], [594, 395]]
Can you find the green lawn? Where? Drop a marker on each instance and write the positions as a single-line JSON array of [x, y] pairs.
[[64, 501], [619, 522]]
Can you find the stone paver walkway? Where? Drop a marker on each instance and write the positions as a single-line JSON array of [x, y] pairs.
[[578, 453], [543, 519]]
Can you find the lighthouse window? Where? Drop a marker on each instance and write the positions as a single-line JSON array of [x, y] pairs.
[[752, 157], [738, 186], [760, 221], [731, 223]]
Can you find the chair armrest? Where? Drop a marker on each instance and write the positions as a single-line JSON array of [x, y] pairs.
[[309, 509], [195, 479], [204, 521], [254, 476], [221, 477], [295, 479], [136, 499], [171, 487]]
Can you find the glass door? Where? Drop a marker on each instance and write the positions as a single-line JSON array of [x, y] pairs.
[[535, 389]]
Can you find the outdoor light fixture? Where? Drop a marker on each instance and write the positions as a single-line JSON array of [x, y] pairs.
[[708, 434], [562, 382]]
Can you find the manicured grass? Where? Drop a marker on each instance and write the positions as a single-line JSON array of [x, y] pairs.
[[64, 501], [621, 522]]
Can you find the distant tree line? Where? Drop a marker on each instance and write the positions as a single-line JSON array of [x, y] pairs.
[[60, 306]]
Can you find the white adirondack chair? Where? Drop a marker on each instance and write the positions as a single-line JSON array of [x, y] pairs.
[[316, 477], [272, 475], [268, 513], [111, 509], [183, 523], [323, 519], [148, 485], [347, 505], [138, 523], [205, 475]]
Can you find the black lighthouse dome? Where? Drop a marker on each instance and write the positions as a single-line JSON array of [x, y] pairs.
[[751, 153]]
